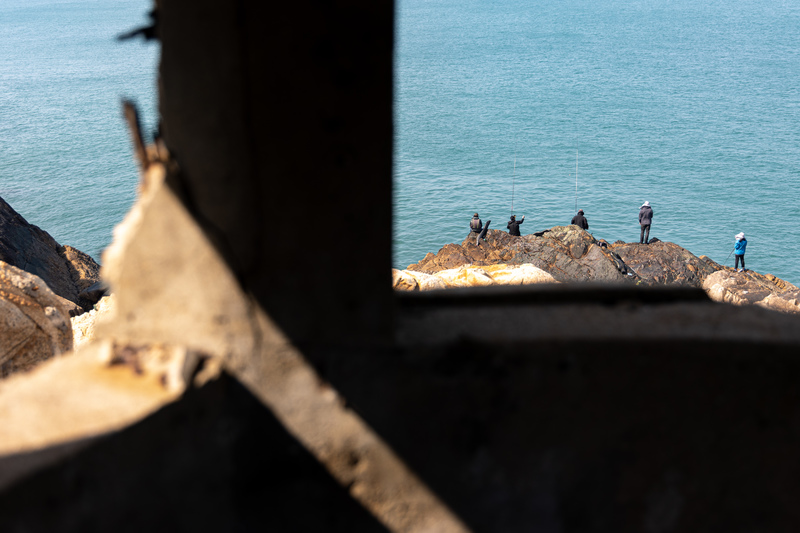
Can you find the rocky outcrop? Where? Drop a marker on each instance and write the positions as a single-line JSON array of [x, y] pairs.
[[570, 254], [567, 253], [66, 270], [470, 276], [743, 288], [34, 322], [84, 324], [665, 263]]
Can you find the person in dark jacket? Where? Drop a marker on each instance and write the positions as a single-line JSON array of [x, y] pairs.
[[645, 219], [738, 252], [475, 225], [513, 225], [580, 220]]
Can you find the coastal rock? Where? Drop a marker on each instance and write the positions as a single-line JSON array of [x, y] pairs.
[[752, 288], [786, 302], [570, 254], [465, 277], [66, 270], [406, 280], [518, 274], [34, 323], [567, 253], [665, 263], [403, 281], [83, 326], [471, 276]]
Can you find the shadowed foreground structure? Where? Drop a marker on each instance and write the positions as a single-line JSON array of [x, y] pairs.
[[564, 409]]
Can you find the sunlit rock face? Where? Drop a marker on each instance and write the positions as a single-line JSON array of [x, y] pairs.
[[470, 276], [34, 322], [571, 254], [567, 253], [743, 288], [67, 271], [83, 325]]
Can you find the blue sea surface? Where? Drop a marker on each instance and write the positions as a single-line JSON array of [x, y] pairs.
[[66, 162], [693, 106]]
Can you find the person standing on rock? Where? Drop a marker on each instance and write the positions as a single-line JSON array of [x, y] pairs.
[[738, 252], [580, 220], [645, 219], [513, 225]]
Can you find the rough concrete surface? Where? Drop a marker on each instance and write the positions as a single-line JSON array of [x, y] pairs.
[[238, 354]]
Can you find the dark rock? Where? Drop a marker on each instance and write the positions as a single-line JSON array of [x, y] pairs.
[[664, 263], [94, 292], [566, 252], [66, 270]]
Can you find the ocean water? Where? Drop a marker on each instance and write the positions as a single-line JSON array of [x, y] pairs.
[[693, 106], [66, 162]]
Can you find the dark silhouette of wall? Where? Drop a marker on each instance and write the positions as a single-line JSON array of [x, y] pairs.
[[671, 414], [280, 117]]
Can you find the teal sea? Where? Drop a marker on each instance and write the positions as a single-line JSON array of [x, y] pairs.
[[693, 106], [66, 163]]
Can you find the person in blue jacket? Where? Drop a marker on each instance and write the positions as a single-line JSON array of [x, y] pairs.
[[738, 252]]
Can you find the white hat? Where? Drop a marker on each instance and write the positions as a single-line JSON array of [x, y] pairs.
[[646, 204], [740, 236]]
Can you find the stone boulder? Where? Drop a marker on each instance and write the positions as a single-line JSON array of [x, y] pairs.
[[470, 276], [665, 263], [66, 270], [746, 288], [34, 322], [408, 280], [568, 253], [83, 326], [518, 274]]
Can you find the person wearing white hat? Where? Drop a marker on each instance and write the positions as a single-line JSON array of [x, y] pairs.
[[645, 219], [738, 252]]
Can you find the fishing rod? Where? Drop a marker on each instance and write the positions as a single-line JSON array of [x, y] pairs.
[[576, 181], [513, 175], [729, 256]]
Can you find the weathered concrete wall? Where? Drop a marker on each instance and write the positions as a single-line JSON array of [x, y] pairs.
[[280, 117], [215, 461], [557, 410]]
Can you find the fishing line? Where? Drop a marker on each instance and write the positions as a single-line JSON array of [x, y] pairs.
[[576, 181], [514, 174]]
